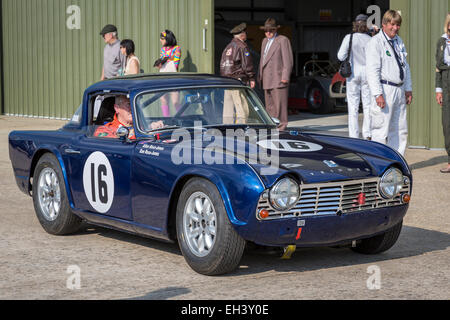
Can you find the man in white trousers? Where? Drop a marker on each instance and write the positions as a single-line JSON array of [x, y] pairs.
[[389, 80], [357, 86]]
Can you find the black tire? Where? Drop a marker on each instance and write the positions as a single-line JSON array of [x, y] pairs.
[[318, 100], [381, 242], [62, 221], [227, 246]]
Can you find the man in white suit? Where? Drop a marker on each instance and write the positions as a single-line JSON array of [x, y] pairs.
[[389, 79]]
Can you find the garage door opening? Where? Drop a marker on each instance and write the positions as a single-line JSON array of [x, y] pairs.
[[316, 30]]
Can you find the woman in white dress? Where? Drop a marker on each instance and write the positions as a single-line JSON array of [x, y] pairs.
[[132, 65]]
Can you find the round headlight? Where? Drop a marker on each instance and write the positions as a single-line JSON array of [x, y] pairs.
[[284, 194], [391, 183]]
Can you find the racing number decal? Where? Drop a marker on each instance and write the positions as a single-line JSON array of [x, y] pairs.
[[98, 182], [290, 145]]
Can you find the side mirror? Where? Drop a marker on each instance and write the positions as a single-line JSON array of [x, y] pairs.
[[123, 133]]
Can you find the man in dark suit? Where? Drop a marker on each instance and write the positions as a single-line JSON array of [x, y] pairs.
[[275, 70]]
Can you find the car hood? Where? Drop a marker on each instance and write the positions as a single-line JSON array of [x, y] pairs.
[[311, 159]]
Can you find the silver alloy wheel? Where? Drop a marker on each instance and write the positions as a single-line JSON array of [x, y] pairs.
[[49, 193], [199, 224]]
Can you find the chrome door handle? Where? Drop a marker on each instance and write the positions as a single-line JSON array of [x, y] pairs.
[[72, 151]]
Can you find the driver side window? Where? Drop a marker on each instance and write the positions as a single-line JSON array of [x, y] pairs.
[[109, 113]]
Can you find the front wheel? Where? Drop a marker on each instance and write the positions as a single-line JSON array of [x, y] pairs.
[[381, 242], [206, 237], [50, 198]]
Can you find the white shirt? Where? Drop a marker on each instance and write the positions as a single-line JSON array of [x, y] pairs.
[[269, 43], [358, 52], [381, 63]]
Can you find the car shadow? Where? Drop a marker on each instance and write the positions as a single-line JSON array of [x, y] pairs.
[[148, 242], [412, 242], [163, 294], [429, 163]]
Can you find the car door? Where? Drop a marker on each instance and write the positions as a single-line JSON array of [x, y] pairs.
[[99, 175]]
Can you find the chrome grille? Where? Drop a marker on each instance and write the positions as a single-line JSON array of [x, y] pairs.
[[332, 199]]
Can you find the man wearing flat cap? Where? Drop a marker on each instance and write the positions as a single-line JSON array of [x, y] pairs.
[[236, 62], [275, 71], [113, 60]]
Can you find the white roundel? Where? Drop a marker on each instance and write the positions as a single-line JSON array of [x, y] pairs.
[[98, 182], [290, 145]]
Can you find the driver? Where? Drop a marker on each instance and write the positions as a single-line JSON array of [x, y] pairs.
[[122, 118]]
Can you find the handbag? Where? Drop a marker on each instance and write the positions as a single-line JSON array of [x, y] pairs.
[[169, 66], [345, 69], [160, 61]]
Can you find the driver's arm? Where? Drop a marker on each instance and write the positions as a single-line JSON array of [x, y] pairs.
[[156, 125]]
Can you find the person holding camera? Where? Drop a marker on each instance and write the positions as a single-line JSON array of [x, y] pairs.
[[169, 61], [170, 54], [354, 45]]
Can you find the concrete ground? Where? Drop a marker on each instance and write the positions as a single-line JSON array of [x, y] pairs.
[[115, 265]]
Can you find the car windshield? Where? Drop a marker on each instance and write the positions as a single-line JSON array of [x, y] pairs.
[[216, 106]]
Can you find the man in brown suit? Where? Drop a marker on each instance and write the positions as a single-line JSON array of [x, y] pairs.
[[275, 70]]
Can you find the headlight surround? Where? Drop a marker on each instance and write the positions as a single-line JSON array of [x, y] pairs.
[[284, 194], [391, 183]]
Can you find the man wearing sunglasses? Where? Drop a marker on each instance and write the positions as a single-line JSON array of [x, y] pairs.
[[275, 71]]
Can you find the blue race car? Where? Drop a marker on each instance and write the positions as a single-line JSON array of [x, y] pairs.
[[203, 164]]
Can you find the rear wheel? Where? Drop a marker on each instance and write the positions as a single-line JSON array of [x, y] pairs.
[[206, 237], [318, 100], [50, 198], [379, 243]]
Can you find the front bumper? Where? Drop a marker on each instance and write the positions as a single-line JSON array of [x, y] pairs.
[[327, 230]]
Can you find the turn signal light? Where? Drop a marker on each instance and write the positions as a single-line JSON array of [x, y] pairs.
[[406, 198], [263, 214]]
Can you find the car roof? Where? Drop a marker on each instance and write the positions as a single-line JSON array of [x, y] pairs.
[[162, 81]]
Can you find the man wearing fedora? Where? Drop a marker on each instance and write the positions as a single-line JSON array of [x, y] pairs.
[[237, 63], [275, 70], [113, 60]]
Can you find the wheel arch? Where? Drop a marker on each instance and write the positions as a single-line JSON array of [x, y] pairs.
[[37, 156], [178, 187]]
